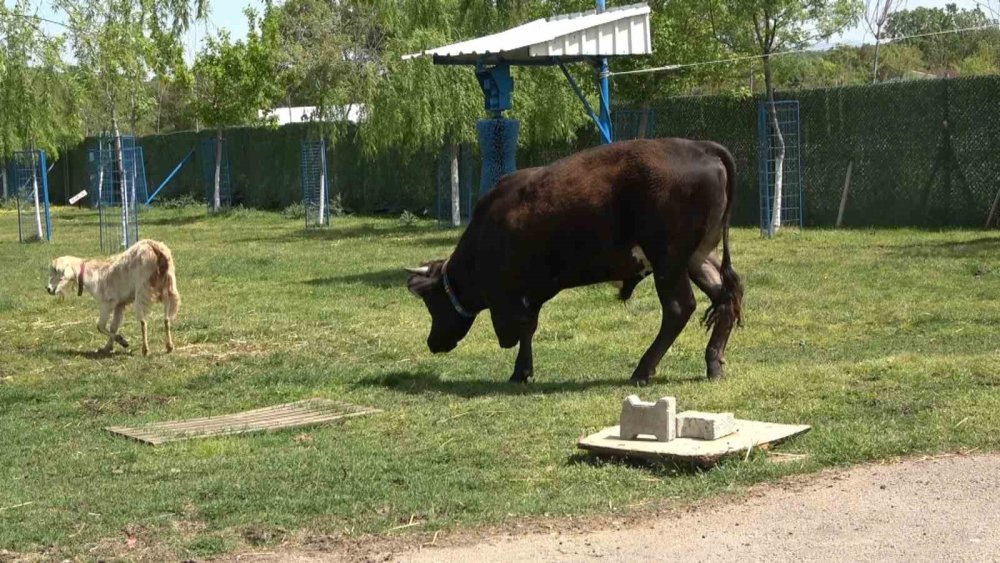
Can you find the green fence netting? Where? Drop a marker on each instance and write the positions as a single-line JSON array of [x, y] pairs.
[[922, 154]]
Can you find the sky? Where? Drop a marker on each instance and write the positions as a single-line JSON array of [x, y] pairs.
[[228, 14]]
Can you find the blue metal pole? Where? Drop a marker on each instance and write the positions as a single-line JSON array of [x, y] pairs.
[[169, 177], [45, 191], [607, 135]]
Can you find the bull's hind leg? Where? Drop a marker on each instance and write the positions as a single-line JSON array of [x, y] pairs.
[[677, 301], [707, 275]]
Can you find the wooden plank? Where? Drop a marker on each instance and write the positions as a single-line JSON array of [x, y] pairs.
[[310, 412], [749, 434]]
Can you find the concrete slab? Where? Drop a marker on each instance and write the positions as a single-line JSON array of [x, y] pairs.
[[639, 418], [705, 425], [748, 434]]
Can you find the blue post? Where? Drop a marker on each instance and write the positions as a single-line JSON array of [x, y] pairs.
[[607, 135], [45, 191], [169, 177]]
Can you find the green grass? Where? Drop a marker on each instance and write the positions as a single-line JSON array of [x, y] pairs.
[[886, 341]]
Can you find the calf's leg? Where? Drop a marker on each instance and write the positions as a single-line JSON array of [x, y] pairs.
[[140, 314], [102, 327], [116, 323]]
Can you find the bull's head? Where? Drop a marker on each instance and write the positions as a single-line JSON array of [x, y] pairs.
[[448, 325]]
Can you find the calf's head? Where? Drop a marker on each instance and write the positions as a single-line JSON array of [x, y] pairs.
[[448, 326], [62, 275]]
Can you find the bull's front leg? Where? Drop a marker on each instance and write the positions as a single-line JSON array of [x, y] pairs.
[[524, 365]]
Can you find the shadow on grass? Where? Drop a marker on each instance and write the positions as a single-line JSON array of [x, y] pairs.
[[967, 248], [92, 354], [420, 382], [173, 221], [393, 277], [361, 231], [661, 468]]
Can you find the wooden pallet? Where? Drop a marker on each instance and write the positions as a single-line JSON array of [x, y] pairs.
[[310, 412]]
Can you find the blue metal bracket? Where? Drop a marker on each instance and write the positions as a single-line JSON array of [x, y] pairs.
[[605, 131], [169, 177], [498, 87]]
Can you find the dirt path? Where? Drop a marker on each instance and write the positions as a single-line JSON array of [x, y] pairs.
[[940, 509]]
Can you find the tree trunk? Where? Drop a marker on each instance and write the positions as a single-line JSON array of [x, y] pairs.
[[322, 182], [217, 193], [34, 190], [3, 175], [122, 179], [779, 140], [456, 188], [878, 46]]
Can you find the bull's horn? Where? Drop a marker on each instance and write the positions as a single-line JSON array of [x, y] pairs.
[[421, 271]]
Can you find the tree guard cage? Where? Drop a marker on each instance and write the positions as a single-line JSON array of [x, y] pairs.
[[104, 175], [315, 184], [208, 154], [28, 181], [589, 37], [779, 167], [117, 197]]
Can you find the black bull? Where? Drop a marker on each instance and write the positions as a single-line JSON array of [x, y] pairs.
[[614, 213]]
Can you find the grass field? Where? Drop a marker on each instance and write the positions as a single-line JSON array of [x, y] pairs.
[[888, 342]]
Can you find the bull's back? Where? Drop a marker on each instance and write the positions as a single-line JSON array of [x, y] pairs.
[[581, 217]]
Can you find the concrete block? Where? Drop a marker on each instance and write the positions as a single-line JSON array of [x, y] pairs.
[[653, 419], [705, 425]]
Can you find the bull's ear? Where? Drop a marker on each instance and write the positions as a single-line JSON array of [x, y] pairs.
[[421, 271]]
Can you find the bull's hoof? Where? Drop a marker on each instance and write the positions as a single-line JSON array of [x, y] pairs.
[[641, 377], [521, 377], [716, 371]]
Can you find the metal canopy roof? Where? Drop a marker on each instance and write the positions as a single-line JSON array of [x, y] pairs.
[[615, 32]]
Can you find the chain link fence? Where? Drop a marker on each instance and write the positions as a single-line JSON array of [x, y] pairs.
[[921, 152]]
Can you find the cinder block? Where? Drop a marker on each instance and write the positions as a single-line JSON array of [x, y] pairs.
[[705, 425], [654, 419]]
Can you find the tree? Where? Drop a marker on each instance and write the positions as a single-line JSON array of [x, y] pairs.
[[118, 45], [942, 51], [238, 81], [417, 106], [877, 13], [36, 92], [765, 27]]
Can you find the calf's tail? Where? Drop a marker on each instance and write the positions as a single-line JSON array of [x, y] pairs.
[[730, 302]]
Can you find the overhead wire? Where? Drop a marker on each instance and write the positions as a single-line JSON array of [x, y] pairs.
[[813, 49]]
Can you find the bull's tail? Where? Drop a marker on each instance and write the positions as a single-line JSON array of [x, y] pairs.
[[730, 302], [164, 280]]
